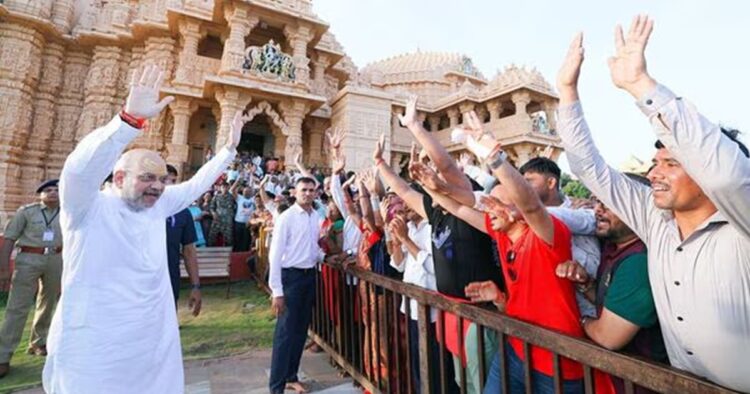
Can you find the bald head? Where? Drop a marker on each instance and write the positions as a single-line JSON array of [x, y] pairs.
[[141, 161], [139, 178]]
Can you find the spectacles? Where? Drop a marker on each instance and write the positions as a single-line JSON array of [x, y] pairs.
[[510, 257], [151, 178]]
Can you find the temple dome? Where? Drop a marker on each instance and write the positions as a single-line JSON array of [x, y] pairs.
[[419, 67]]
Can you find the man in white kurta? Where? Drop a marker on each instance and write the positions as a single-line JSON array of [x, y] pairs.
[[115, 330]]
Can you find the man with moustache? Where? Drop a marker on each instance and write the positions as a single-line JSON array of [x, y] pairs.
[[694, 218], [115, 330], [35, 231], [620, 291]]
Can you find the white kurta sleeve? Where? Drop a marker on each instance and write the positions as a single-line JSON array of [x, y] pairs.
[[337, 193], [180, 196], [88, 166], [579, 221]]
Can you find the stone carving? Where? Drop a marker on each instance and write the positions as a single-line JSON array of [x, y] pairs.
[[266, 108], [269, 61]]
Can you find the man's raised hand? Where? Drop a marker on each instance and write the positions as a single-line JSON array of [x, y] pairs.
[[410, 118], [235, 132], [567, 76], [143, 100], [480, 143], [628, 67], [377, 153]]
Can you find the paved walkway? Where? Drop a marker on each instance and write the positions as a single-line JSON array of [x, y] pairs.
[[248, 374]]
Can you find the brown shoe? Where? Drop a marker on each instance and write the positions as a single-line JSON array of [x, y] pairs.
[[37, 350], [4, 368]]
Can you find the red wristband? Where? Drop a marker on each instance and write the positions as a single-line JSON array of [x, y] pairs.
[[138, 123], [379, 162]]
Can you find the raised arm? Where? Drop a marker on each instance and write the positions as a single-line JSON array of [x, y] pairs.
[[630, 200], [436, 151], [94, 157], [413, 198], [428, 178], [177, 197], [301, 167], [711, 158], [517, 190]]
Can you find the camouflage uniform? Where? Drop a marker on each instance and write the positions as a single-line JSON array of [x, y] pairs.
[[224, 205]]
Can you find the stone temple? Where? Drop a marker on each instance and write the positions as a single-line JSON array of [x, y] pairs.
[[65, 67]]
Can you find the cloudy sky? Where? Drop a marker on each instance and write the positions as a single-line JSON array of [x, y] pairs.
[[698, 48]]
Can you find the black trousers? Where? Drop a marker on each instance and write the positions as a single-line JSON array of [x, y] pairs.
[[241, 237], [291, 327]]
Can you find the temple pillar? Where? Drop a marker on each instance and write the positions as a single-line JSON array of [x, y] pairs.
[[294, 112], [102, 82], [241, 22], [62, 15], [550, 111], [230, 101], [190, 35], [465, 108], [434, 121], [36, 147], [182, 109], [319, 78], [481, 111], [494, 107], [20, 64], [453, 116], [521, 100], [299, 37], [69, 107]]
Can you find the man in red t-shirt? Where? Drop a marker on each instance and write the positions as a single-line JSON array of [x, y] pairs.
[[531, 244]]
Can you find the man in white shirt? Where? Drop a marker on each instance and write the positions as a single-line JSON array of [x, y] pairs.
[[293, 256], [115, 330]]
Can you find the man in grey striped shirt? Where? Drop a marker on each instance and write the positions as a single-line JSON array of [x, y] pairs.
[[695, 219]]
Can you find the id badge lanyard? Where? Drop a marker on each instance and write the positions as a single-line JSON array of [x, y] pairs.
[[49, 234]]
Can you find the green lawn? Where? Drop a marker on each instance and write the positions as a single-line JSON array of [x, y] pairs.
[[225, 327]]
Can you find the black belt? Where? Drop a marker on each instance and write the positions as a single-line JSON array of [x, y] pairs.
[[302, 270]]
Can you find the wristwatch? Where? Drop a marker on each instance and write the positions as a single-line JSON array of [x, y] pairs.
[[195, 286], [496, 159]]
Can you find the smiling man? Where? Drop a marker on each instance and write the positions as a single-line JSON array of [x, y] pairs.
[[115, 330], [694, 221]]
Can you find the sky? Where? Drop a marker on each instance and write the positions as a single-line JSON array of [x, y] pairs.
[[698, 49]]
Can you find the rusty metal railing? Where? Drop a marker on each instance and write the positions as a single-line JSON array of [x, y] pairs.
[[357, 322]]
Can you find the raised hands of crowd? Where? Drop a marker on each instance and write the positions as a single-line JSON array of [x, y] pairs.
[[235, 131], [484, 292], [628, 66], [377, 153], [335, 136], [465, 160], [410, 118], [428, 178], [143, 99], [476, 139], [570, 71], [370, 180], [399, 230], [338, 162]]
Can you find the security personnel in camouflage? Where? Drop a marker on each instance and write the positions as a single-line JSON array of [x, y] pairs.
[[35, 231]]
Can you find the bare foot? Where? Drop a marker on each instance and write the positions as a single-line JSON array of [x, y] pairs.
[[297, 387]]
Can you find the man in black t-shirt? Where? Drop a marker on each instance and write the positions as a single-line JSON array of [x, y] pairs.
[[461, 254]]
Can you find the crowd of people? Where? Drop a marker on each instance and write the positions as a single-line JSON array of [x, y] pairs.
[[655, 265]]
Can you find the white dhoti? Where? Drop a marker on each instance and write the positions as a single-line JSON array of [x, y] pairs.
[[115, 329]]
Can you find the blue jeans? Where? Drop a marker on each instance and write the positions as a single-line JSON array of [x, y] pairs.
[[541, 383], [291, 327]]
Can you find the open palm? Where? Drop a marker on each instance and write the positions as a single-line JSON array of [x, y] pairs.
[[143, 99], [628, 66]]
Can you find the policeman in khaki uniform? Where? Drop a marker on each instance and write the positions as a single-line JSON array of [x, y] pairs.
[[35, 231]]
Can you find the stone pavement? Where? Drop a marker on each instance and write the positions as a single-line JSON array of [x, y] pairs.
[[248, 374]]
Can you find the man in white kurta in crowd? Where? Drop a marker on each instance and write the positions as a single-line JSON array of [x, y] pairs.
[[115, 330]]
